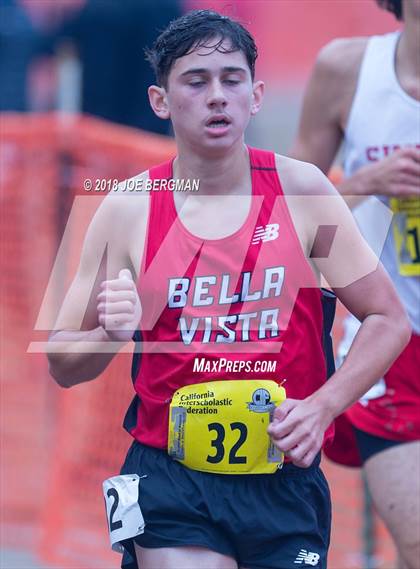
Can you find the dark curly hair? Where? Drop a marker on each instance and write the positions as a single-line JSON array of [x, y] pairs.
[[394, 6], [193, 30]]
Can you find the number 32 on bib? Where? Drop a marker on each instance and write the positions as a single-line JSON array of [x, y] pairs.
[[221, 426], [124, 516]]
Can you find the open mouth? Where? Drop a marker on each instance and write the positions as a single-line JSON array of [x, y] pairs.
[[218, 122]]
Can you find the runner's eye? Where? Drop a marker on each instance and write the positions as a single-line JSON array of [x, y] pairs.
[[197, 83]]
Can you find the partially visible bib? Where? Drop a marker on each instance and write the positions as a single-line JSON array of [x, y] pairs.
[[221, 426], [406, 227]]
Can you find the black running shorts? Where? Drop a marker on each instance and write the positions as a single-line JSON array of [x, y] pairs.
[[279, 520]]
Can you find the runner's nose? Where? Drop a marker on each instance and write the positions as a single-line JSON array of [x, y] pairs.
[[216, 96]]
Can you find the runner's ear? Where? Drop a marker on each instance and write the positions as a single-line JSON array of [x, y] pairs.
[[257, 96], [159, 102]]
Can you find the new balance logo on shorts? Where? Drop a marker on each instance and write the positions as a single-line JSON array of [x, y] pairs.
[[267, 233], [307, 557]]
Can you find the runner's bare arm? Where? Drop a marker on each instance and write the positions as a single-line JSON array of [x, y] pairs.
[[324, 117], [325, 114], [327, 101], [101, 309], [363, 286]]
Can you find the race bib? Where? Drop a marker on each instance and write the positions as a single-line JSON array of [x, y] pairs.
[[221, 426], [124, 516], [406, 230]]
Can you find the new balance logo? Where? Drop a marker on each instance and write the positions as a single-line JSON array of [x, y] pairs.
[[307, 557], [267, 233]]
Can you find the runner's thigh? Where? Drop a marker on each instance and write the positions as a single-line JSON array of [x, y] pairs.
[[393, 477], [182, 558]]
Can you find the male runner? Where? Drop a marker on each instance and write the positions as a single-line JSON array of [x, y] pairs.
[[366, 92], [228, 280]]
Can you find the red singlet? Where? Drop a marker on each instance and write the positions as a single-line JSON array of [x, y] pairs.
[[249, 297]]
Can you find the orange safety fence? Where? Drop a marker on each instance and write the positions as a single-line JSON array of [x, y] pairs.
[[59, 445], [28, 237]]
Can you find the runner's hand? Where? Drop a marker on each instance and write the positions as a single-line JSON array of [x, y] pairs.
[[298, 428], [397, 175], [119, 308]]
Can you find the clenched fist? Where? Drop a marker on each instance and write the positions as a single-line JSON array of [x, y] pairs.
[[119, 308]]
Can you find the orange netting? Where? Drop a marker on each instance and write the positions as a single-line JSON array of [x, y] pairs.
[[58, 446]]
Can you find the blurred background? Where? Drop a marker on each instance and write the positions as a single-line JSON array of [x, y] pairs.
[[73, 105]]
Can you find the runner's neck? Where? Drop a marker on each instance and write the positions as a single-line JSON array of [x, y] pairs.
[[229, 174]]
